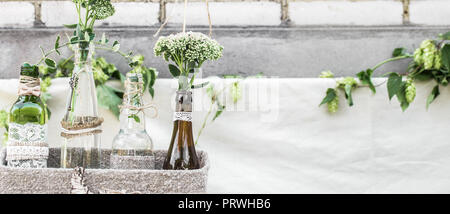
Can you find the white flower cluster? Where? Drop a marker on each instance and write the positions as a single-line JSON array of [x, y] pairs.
[[188, 47]]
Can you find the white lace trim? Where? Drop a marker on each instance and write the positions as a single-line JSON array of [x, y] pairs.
[[184, 116], [26, 152], [30, 132], [27, 142]]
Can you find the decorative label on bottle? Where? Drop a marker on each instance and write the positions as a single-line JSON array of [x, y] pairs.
[[183, 116]]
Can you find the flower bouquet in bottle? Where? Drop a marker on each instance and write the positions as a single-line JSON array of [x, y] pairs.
[[188, 51], [81, 123]]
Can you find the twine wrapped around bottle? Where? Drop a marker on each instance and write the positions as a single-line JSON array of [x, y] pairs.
[[29, 86], [136, 90]]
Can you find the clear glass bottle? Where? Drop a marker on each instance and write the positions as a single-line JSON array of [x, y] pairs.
[[27, 146], [132, 148], [81, 123], [181, 154]]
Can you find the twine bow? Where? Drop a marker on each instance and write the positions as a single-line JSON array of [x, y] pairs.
[[29, 86], [135, 89]]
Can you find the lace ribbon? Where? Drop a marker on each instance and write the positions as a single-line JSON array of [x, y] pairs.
[[29, 86], [27, 142], [183, 116]]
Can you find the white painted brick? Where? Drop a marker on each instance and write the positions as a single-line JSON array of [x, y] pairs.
[[338, 12], [226, 13], [134, 14], [16, 14], [429, 12], [57, 13]]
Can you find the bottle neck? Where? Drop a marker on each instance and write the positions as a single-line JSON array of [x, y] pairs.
[[132, 117], [28, 97], [183, 101], [83, 53]]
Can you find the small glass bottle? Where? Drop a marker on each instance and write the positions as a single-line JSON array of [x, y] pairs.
[[181, 154], [81, 123], [27, 146], [132, 148]]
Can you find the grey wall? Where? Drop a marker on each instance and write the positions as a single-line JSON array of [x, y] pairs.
[[275, 51]]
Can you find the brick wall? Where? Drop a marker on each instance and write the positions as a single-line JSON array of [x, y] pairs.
[[51, 13]]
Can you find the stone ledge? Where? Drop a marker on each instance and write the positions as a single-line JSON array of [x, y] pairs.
[[275, 51]]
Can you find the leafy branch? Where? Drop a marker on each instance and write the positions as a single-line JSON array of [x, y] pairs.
[[431, 61]]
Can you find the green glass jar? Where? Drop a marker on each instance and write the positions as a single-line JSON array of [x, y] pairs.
[[27, 146]]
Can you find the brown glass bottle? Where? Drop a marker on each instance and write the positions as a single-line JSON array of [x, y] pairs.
[[181, 154]]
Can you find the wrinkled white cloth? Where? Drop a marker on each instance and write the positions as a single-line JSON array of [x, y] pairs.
[[280, 141]]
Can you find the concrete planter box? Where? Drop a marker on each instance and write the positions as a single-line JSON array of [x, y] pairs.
[[54, 180]]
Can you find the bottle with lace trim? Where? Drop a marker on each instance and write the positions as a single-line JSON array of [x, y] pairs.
[[181, 154], [132, 148], [27, 146]]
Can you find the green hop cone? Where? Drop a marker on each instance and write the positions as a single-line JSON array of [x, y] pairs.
[[410, 91], [59, 74], [347, 81], [45, 83], [235, 91], [427, 55], [333, 105], [326, 74], [437, 61], [99, 76]]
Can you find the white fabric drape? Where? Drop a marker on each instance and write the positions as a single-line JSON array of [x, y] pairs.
[[279, 140]]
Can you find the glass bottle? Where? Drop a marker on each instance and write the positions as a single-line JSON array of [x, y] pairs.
[[27, 146], [181, 153], [81, 123], [132, 148]]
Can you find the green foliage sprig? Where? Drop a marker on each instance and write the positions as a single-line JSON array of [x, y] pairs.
[[217, 107], [4, 123], [188, 51], [431, 61], [108, 97]]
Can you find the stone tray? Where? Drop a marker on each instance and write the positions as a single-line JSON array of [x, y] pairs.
[[54, 180]]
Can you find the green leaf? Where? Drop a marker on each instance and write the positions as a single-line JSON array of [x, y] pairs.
[[331, 94], [434, 93], [50, 63], [72, 26], [423, 76], [74, 40], [57, 45], [446, 56], [135, 117], [348, 94], [445, 36], [174, 70], [151, 91], [152, 72], [394, 84], [220, 109], [366, 78], [116, 46], [108, 99], [399, 52], [401, 96], [200, 85]]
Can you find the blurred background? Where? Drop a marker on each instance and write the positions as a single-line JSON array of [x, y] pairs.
[[283, 38]]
